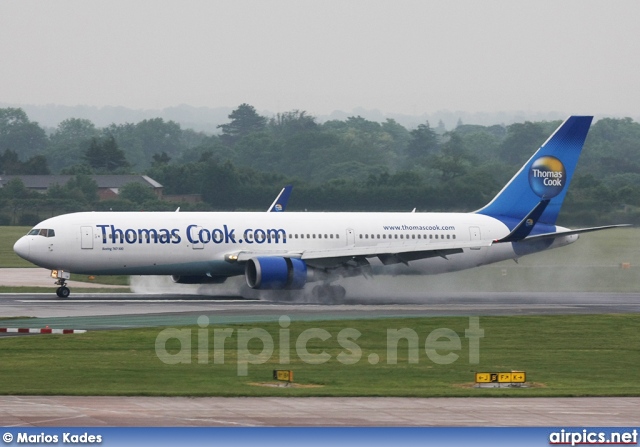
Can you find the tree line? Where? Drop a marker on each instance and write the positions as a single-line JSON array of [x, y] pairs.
[[353, 164]]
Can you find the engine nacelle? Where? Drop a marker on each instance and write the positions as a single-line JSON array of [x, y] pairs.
[[271, 272], [198, 279]]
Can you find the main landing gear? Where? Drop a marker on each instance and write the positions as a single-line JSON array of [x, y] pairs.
[[328, 294], [61, 276]]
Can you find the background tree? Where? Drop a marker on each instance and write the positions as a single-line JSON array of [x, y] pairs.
[[105, 156], [81, 188], [69, 141], [424, 142], [18, 134], [244, 121], [137, 193], [521, 140], [454, 159], [10, 164]]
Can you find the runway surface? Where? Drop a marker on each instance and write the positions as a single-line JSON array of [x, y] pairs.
[[118, 310]]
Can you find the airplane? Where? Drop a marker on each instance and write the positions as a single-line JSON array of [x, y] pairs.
[[284, 252], [280, 204]]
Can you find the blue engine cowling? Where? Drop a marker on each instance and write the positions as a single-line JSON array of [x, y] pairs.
[[270, 272]]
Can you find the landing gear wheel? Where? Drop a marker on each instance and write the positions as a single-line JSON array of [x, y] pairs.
[[63, 292]]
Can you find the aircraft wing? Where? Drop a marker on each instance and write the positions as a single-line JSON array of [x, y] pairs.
[[388, 254]]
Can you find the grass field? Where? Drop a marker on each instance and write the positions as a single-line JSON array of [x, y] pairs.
[[581, 355]]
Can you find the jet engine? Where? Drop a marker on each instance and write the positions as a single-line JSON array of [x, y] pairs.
[[271, 272]]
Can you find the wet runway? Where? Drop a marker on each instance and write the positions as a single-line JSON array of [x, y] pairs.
[[117, 310]]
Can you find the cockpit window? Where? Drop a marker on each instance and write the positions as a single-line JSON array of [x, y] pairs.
[[46, 232]]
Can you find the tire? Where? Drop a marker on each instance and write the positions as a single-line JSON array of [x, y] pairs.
[[63, 292]]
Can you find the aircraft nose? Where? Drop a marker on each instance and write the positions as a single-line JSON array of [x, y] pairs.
[[21, 247]]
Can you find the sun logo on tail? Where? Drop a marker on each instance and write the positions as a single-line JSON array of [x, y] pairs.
[[547, 177]]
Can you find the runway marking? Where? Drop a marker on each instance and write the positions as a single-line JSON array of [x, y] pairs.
[[40, 422]]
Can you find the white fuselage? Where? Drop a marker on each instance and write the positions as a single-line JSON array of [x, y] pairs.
[[196, 243]]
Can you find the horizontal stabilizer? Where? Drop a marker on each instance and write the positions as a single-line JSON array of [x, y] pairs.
[[567, 233]]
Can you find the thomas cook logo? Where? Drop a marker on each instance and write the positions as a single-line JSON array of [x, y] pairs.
[[547, 177]]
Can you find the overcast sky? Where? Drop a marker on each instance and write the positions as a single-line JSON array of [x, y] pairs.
[[413, 57]]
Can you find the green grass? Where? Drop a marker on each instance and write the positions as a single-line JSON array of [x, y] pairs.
[[577, 355]]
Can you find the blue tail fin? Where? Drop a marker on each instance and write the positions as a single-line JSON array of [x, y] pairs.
[[280, 204], [545, 177]]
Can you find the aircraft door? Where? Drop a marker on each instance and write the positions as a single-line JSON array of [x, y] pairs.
[[86, 238], [351, 236], [474, 235]]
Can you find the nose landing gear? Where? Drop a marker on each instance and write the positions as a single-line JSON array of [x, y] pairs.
[[63, 291], [61, 276]]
